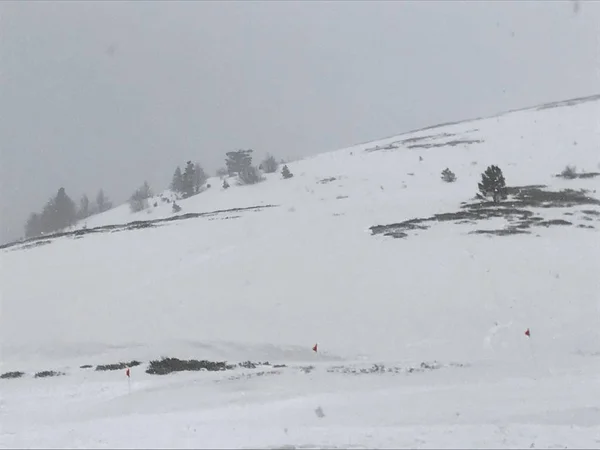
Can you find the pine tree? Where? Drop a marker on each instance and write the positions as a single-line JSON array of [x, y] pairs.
[[102, 202], [238, 161], [84, 207], [66, 211], [269, 164], [493, 184], [33, 227], [199, 177], [225, 184], [139, 199], [285, 172], [189, 176], [177, 182], [448, 176]]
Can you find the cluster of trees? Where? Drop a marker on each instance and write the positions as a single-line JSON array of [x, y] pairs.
[[190, 181], [61, 212], [492, 183], [139, 199], [239, 163]]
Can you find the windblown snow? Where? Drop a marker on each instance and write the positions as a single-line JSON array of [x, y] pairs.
[[420, 324]]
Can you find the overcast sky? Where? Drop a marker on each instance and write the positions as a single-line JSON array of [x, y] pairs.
[[108, 94]]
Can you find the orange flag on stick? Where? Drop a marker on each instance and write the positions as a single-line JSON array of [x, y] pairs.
[[315, 348], [527, 333]]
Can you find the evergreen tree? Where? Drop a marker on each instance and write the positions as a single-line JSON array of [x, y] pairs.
[[84, 207], [33, 227], [139, 199], [102, 202], [199, 177], [448, 176], [238, 161], [493, 184], [66, 211], [177, 182], [285, 172], [189, 179], [269, 164]]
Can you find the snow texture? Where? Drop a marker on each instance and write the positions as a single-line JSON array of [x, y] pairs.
[[421, 339]]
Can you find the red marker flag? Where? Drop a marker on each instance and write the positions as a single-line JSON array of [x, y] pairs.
[[527, 333], [315, 348], [127, 372]]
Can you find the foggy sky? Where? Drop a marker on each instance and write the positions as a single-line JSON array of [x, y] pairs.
[[111, 94]]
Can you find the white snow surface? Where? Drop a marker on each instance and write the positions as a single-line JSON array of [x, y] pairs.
[[267, 284]]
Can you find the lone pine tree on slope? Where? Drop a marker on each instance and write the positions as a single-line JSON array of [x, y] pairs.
[[493, 184]]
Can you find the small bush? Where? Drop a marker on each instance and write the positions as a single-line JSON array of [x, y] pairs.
[[16, 374], [169, 365], [269, 165], [176, 208], [285, 173], [448, 176], [250, 175], [225, 184], [48, 373], [139, 199], [569, 172]]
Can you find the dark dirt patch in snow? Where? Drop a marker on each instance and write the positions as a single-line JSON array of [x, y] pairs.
[[117, 366], [423, 142], [9, 375], [381, 368], [48, 373], [515, 210], [447, 144]]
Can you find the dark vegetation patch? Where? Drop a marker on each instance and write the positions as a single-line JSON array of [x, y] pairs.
[[591, 212], [35, 244], [423, 142], [501, 232], [86, 366], [135, 225], [254, 365], [48, 373], [548, 223], [327, 180], [447, 144], [515, 210], [570, 173], [382, 369], [117, 366], [572, 102], [8, 375], [169, 365]]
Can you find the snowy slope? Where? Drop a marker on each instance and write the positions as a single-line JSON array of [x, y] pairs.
[[268, 283]]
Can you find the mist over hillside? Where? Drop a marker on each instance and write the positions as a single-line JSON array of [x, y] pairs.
[[377, 295]]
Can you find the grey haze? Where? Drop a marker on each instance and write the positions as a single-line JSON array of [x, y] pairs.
[[108, 94]]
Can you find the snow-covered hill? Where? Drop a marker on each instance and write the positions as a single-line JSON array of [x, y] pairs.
[[331, 256]]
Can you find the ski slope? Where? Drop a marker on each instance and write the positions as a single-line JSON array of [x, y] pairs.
[[266, 284]]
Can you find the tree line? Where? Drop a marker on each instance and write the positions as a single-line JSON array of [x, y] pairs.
[[60, 212]]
